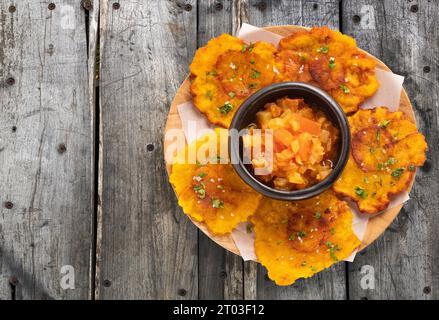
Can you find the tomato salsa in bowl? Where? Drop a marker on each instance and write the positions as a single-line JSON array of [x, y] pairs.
[[292, 143]]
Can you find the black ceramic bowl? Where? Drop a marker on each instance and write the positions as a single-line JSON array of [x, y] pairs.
[[316, 98]]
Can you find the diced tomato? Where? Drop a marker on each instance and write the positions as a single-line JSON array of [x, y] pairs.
[[275, 110], [307, 125], [305, 148], [277, 147], [285, 155], [282, 136]]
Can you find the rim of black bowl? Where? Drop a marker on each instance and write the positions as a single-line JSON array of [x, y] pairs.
[[296, 89]]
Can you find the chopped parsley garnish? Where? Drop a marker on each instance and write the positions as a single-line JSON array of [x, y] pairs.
[[323, 49], [202, 174], [390, 161], [332, 63], [252, 61], [397, 173], [332, 249], [212, 73], [313, 269], [383, 124], [209, 94], [378, 135], [332, 231], [317, 215], [345, 88], [217, 203], [301, 234], [366, 180], [232, 94], [226, 108], [255, 74], [247, 47], [411, 167], [292, 237], [361, 192], [201, 192], [372, 150]]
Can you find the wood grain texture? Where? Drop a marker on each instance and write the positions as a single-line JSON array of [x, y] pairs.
[[376, 225], [93, 44], [329, 284], [49, 225], [253, 286], [220, 272], [405, 36], [147, 247]]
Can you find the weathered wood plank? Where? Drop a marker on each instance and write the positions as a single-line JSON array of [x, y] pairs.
[[295, 12], [220, 272], [404, 35], [329, 284], [147, 247], [45, 150], [93, 43]]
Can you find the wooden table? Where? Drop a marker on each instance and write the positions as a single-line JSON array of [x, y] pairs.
[[83, 188]]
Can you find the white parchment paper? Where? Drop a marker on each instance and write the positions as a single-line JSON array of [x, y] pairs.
[[195, 124]]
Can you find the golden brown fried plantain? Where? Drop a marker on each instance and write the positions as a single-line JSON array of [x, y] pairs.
[[386, 149], [298, 239], [293, 67], [335, 64], [226, 71], [211, 192]]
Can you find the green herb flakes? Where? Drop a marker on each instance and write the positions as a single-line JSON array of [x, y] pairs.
[[345, 88], [212, 73], [217, 203], [361, 192], [332, 249], [202, 174], [226, 108], [247, 47], [209, 94], [323, 49], [397, 173], [390, 161], [332, 63], [255, 74], [383, 124], [301, 234], [317, 215], [200, 191]]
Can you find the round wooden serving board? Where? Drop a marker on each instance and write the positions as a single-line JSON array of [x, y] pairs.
[[377, 224]]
